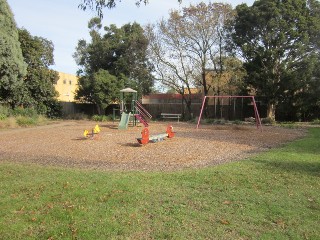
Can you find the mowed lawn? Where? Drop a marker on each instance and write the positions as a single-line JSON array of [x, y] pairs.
[[274, 195]]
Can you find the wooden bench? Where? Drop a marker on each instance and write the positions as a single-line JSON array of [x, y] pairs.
[[171, 115]]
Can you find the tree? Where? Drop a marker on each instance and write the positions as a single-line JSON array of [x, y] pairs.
[[172, 68], [101, 88], [277, 41], [131, 56], [99, 5], [12, 65], [120, 51], [39, 82], [189, 43]]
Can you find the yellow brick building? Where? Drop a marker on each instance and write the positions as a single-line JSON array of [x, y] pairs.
[[66, 86]]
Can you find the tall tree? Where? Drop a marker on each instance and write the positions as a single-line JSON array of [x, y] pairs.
[[119, 51], [189, 43], [100, 88], [99, 5], [131, 56], [40, 79], [277, 40], [12, 65]]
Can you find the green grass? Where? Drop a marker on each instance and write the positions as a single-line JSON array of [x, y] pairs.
[[275, 195]]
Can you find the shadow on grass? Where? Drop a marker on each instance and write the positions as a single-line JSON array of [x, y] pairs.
[[312, 168], [301, 156]]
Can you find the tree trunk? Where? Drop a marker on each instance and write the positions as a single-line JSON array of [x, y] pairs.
[[187, 115], [98, 109], [271, 111], [188, 110]]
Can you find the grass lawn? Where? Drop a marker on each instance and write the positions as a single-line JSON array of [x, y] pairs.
[[275, 195]]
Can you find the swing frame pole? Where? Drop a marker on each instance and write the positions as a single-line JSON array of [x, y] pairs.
[[255, 108]]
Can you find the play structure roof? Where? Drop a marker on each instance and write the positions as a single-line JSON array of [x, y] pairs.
[[128, 90]]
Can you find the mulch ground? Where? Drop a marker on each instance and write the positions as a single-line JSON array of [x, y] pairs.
[[62, 144]]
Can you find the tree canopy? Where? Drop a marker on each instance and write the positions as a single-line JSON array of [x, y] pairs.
[[99, 5], [101, 88], [12, 66], [278, 41], [39, 90], [189, 45], [119, 51]]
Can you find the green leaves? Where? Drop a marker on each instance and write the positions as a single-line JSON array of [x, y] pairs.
[[112, 60], [39, 91], [274, 38], [12, 65]]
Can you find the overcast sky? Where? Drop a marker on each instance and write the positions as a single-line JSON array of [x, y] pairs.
[[62, 22]]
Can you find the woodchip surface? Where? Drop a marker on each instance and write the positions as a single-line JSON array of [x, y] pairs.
[[62, 144]]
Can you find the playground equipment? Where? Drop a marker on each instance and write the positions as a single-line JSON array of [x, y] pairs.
[[93, 134], [146, 138], [131, 109], [257, 117], [124, 121]]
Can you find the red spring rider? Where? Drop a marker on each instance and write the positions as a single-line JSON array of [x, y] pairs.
[[146, 138]]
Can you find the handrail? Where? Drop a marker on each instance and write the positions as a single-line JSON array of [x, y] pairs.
[[142, 110], [141, 113]]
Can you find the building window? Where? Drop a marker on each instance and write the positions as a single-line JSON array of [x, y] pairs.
[[64, 81], [70, 82]]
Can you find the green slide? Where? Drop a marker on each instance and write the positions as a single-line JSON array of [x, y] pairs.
[[125, 117]]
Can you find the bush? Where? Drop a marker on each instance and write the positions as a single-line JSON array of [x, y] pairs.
[[209, 121], [100, 118], [291, 125], [24, 121], [54, 110], [237, 122], [220, 121], [4, 112], [315, 121], [9, 122], [24, 112], [267, 121], [20, 117], [3, 116]]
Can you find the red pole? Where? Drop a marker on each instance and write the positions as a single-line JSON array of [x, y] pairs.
[[258, 120], [256, 113], [203, 101]]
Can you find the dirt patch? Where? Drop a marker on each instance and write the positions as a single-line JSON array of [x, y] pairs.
[[62, 144]]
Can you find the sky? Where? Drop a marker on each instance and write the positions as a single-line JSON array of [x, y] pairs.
[[63, 23]]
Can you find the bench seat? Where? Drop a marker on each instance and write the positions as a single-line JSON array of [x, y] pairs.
[[171, 115]]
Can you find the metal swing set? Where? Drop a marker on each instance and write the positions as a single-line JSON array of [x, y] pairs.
[[257, 117]]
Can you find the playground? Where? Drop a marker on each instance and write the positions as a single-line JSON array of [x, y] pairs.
[[63, 144]]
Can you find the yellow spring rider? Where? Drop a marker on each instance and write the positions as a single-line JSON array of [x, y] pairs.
[[94, 134]]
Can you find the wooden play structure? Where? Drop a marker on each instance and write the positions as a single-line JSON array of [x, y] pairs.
[[93, 134], [146, 138]]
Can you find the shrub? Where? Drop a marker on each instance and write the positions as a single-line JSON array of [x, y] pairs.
[[25, 112], [4, 112], [267, 120], [9, 122], [3, 116], [100, 118], [315, 121], [237, 122], [54, 110], [291, 125], [209, 121], [24, 121], [220, 121]]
